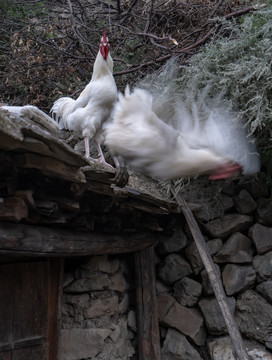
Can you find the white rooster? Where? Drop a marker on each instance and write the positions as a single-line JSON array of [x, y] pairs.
[[88, 113], [204, 139]]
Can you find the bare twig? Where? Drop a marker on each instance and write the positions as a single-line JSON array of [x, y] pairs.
[[185, 49], [216, 8], [168, 56], [126, 13], [241, 12]]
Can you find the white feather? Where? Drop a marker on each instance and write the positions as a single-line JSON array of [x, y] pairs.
[[199, 146]]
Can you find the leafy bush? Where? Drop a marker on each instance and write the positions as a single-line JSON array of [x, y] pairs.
[[240, 66]]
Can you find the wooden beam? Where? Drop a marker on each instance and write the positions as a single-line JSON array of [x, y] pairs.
[[147, 312], [215, 280], [54, 308], [19, 239]]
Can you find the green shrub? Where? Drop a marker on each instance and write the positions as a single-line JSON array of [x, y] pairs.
[[240, 66]]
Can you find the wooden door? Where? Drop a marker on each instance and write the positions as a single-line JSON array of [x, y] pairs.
[[29, 310]]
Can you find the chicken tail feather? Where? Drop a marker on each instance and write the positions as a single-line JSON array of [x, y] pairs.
[[61, 109]]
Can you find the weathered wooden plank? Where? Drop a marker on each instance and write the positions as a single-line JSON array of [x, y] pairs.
[[148, 196], [67, 203], [146, 207], [13, 209], [147, 312], [30, 309], [49, 166], [57, 148], [43, 241], [31, 129], [54, 309], [26, 196], [9, 129], [139, 187]]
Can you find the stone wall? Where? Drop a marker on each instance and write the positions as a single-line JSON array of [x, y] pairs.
[[96, 322], [98, 303]]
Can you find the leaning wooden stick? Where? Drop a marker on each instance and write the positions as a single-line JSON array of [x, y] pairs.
[[219, 292]]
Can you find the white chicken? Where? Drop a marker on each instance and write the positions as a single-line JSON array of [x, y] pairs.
[[87, 114], [215, 146]]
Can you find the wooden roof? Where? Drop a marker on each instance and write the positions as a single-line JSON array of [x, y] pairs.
[[63, 190], [35, 144]]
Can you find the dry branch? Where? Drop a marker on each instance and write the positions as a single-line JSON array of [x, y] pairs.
[[58, 47], [200, 42]]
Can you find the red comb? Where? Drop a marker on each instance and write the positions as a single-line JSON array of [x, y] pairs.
[[104, 46], [104, 36]]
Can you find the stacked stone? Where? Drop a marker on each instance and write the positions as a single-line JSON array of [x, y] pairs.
[[98, 320], [95, 311], [240, 240]]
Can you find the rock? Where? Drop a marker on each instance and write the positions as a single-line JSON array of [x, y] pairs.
[[193, 256], [171, 244], [77, 344], [122, 349], [120, 330], [132, 321], [209, 211], [80, 302], [259, 186], [214, 320], [263, 265], [165, 302], [256, 352], [265, 289], [187, 291], [222, 349], [188, 321], [163, 332], [124, 304], [238, 278], [228, 187], [103, 264], [206, 284], [67, 311], [92, 283], [237, 249], [228, 224], [115, 334], [177, 347], [262, 238], [173, 268], [244, 202], [254, 317], [161, 287], [264, 212], [68, 278], [117, 345], [118, 282], [102, 307], [214, 245]]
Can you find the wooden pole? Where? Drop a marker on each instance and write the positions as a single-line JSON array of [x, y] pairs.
[[147, 311], [218, 289]]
